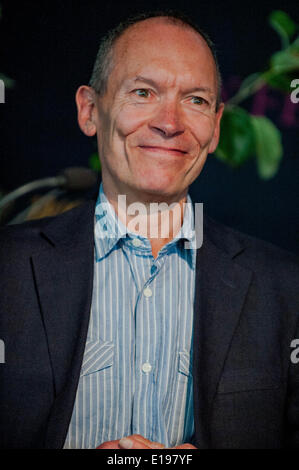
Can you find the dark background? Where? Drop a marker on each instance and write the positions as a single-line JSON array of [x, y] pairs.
[[49, 48]]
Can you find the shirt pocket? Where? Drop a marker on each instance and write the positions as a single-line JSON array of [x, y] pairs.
[[98, 355], [184, 364]]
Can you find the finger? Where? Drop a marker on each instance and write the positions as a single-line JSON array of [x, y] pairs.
[[151, 444], [136, 441], [131, 443], [109, 445], [157, 445]]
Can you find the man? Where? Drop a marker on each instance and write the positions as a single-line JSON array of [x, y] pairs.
[[116, 338]]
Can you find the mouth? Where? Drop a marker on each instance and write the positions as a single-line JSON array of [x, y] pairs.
[[163, 150]]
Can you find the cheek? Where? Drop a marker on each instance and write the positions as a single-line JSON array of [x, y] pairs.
[[118, 125], [130, 119], [202, 128]]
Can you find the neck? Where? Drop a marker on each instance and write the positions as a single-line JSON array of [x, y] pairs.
[[154, 218]]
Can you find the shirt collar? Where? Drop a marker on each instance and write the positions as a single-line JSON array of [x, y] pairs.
[[109, 229]]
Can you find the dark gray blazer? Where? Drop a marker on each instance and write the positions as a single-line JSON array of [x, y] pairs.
[[246, 389]]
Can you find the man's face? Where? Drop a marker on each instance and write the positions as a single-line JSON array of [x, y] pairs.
[[157, 122]]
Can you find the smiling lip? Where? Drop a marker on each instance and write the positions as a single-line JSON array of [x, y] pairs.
[[168, 150]]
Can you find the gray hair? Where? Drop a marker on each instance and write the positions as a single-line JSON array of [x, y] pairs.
[[104, 60]]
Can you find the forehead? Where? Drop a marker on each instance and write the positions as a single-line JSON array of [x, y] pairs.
[[171, 52]]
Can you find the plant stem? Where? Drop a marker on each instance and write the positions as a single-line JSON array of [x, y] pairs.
[[247, 91]]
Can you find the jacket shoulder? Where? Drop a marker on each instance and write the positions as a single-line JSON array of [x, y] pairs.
[[30, 236], [262, 257]]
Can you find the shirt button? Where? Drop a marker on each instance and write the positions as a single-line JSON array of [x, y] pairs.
[[146, 367], [147, 292], [136, 242]]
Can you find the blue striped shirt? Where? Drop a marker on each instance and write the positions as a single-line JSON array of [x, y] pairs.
[[136, 373]]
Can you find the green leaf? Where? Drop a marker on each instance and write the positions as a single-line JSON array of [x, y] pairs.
[[286, 60], [236, 143], [94, 162], [283, 25], [268, 146], [249, 86], [281, 81], [284, 67]]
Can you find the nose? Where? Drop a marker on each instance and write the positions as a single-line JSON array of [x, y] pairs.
[[168, 120]]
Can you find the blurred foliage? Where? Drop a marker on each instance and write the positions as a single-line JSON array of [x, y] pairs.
[[243, 135], [283, 25], [94, 162]]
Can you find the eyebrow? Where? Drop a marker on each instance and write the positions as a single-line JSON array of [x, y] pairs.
[[151, 82]]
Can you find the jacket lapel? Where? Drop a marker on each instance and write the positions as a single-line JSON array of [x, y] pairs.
[[64, 268], [221, 287]]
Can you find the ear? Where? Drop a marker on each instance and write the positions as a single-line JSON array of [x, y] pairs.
[[216, 136], [85, 100]]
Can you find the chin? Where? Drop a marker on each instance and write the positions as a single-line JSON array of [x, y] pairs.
[[160, 188]]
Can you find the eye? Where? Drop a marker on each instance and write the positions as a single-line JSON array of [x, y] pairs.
[[198, 100], [142, 92]]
